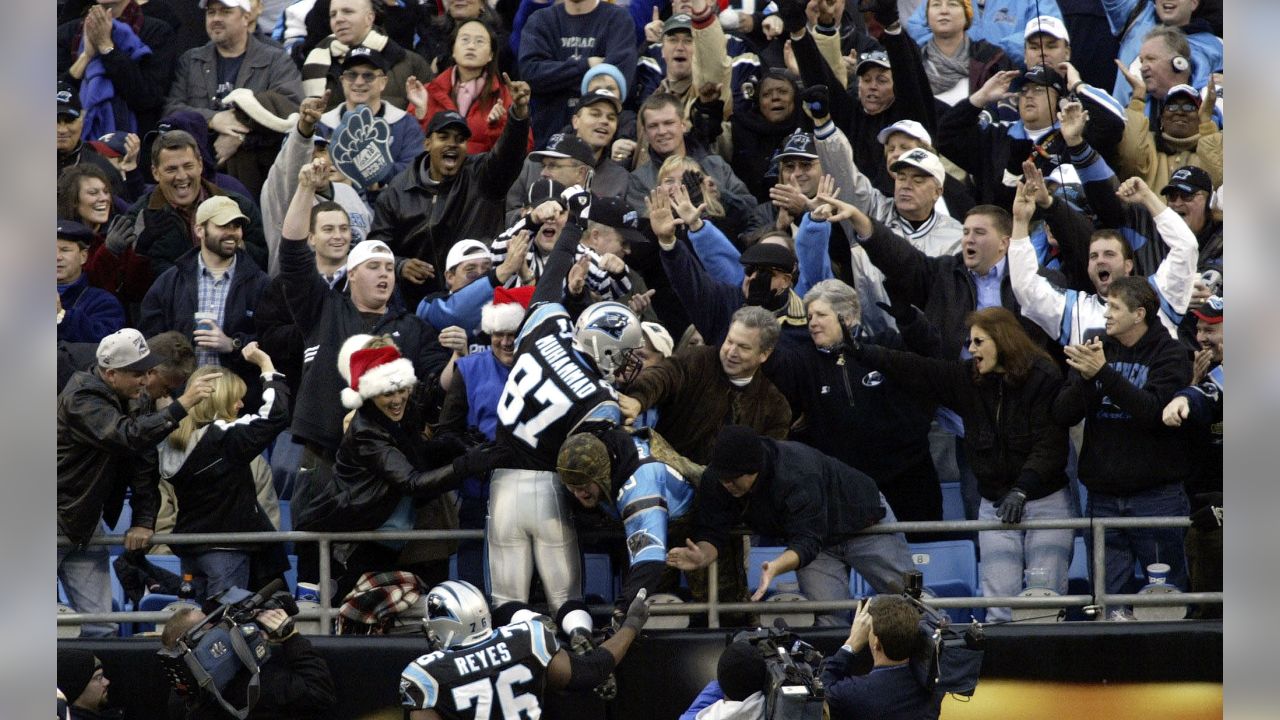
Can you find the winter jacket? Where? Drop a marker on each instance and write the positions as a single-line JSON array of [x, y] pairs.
[[484, 135], [1000, 22], [102, 448], [1127, 447], [1010, 438], [420, 218], [212, 479], [139, 85], [694, 399], [755, 140], [164, 233], [857, 690], [322, 69], [282, 183], [326, 317], [263, 67], [90, 313], [941, 286], [609, 180], [380, 461], [554, 51], [1154, 159], [1131, 20], [799, 494], [406, 135], [195, 124], [172, 302], [1204, 421]]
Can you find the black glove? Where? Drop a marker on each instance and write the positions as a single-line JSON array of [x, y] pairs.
[[760, 290], [1010, 508], [1209, 516], [120, 234], [818, 99], [479, 460], [884, 11], [792, 14], [902, 314], [638, 614], [575, 204]]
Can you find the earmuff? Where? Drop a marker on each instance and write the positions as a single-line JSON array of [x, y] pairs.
[[1180, 64]]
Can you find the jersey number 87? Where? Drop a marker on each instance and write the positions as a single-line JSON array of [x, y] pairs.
[[526, 381]]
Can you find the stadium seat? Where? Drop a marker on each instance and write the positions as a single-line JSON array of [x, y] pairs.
[[597, 576], [952, 501], [172, 563], [786, 582], [950, 569]]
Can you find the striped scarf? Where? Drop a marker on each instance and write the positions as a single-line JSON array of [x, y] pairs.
[[315, 70]]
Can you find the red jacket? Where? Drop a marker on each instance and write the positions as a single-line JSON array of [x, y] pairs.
[[483, 135]]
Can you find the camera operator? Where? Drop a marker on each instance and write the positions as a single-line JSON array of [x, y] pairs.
[[83, 683], [871, 675], [738, 692], [295, 681]]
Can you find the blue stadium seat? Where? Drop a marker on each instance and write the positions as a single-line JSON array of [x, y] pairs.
[[950, 569], [784, 582], [858, 587], [597, 576], [172, 563], [291, 575], [952, 501]]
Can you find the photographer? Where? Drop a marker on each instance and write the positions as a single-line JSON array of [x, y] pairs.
[[738, 692], [295, 681], [871, 676]]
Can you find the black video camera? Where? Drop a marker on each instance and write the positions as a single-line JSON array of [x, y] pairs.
[[946, 660], [226, 645], [793, 687]]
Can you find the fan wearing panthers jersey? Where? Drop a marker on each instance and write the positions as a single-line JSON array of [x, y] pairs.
[[560, 384], [615, 471], [477, 671]]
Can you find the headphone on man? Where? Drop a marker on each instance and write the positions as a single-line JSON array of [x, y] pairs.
[[1180, 64]]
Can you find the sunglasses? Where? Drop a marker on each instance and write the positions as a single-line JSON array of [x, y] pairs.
[[1184, 107], [354, 75]]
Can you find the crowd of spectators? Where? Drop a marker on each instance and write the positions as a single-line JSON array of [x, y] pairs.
[[885, 245]]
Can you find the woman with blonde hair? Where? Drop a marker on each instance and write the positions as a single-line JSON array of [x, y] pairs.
[[207, 460]]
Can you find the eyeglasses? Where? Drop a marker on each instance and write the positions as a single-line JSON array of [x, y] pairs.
[[354, 75], [1178, 195], [1185, 107]]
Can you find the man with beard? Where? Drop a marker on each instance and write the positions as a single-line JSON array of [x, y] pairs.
[[211, 294], [445, 195]]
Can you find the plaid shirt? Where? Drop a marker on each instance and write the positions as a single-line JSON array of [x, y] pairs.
[[211, 297]]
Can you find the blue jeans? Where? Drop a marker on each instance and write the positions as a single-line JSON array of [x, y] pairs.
[[1006, 553], [1144, 545], [880, 559], [216, 570], [86, 578]]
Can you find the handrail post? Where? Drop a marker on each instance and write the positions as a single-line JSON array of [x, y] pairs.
[[713, 594], [326, 627], [1099, 559]]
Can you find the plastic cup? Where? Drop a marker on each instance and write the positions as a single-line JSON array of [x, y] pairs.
[[206, 317], [1157, 573], [1036, 577]]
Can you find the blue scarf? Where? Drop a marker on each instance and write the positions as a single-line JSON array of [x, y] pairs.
[[97, 93]]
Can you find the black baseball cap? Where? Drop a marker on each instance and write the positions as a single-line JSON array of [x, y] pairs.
[[678, 23], [68, 100], [769, 254], [542, 190], [365, 56], [75, 232], [616, 213], [737, 452], [600, 95], [799, 144], [566, 145], [447, 118], [1042, 75], [1188, 179]]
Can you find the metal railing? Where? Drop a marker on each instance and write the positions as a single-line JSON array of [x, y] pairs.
[[713, 607]]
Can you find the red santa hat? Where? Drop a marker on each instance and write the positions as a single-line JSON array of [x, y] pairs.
[[507, 310], [371, 371]]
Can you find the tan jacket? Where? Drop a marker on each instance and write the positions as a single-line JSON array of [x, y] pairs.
[[1137, 154]]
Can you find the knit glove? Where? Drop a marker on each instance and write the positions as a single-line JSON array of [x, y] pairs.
[[479, 460], [638, 613], [884, 11], [121, 234], [793, 17], [818, 100], [1011, 506]]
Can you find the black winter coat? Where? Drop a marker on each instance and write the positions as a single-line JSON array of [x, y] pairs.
[[1010, 438], [214, 485], [800, 494], [163, 234], [327, 317]]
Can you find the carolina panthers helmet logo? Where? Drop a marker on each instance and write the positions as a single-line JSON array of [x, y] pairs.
[[872, 378], [916, 155], [612, 324]]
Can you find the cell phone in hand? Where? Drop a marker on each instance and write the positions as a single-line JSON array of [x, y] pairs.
[[692, 180]]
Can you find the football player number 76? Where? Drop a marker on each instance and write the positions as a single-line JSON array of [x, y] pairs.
[[526, 381], [481, 693]]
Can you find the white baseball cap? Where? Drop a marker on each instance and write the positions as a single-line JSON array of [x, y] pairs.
[[921, 159], [1046, 24], [465, 250], [245, 5], [910, 127], [367, 250], [126, 349]]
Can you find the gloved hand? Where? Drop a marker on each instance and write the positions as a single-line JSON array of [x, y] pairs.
[[575, 200], [902, 314], [120, 234], [1209, 516], [793, 16], [1011, 505], [760, 290], [849, 338], [638, 613], [884, 11], [817, 98], [480, 460]]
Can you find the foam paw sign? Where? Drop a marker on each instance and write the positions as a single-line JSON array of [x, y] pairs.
[[361, 147]]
